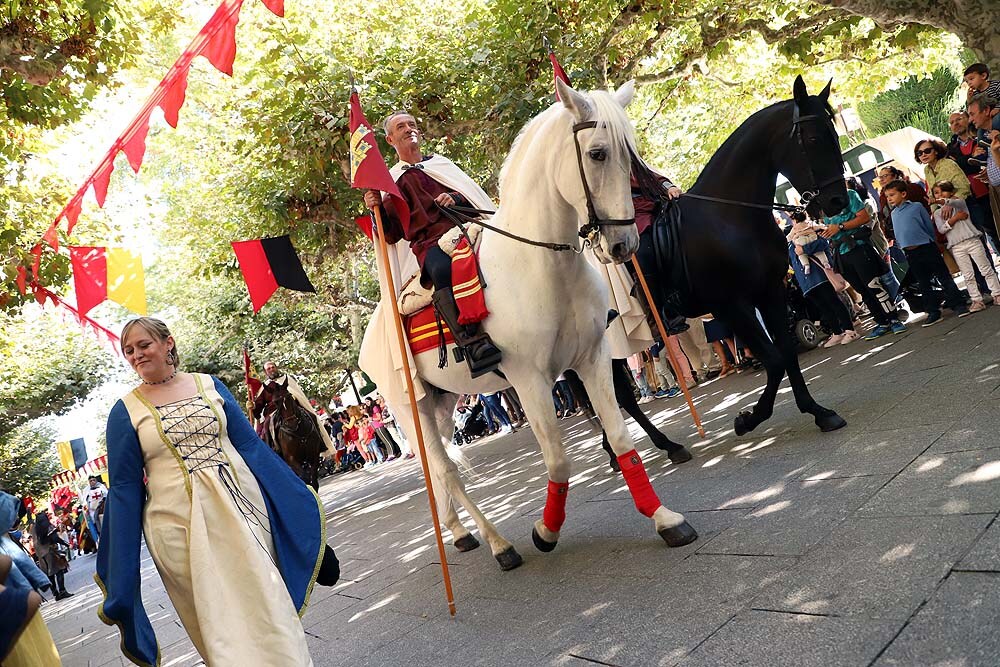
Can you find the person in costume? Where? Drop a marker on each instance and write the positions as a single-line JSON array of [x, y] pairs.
[[429, 183], [47, 552], [276, 377], [94, 497], [650, 191], [236, 537]]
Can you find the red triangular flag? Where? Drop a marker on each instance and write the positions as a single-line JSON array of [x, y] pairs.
[[102, 178], [73, 212], [22, 280], [557, 72], [221, 46], [173, 99], [135, 146], [51, 235], [365, 223], [368, 169], [90, 276], [276, 6]]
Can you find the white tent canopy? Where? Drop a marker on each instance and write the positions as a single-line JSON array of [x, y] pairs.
[[898, 146]]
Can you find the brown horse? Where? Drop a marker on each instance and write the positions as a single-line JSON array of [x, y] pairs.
[[290, 430]]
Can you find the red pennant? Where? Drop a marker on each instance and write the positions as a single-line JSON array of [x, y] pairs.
[[90, 276], [135, 146], [368, 169], [276, 6], [22, 279], [73, 212], [36, 265], [102, 178], [557, 72], [365, 223], [221, 28], [39, 296], [51, 235], [173, 99]]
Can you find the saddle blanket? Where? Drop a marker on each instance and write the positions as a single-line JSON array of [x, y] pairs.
[[422, 332]]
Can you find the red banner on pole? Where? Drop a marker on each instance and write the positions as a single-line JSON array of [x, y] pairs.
[[368, 169]]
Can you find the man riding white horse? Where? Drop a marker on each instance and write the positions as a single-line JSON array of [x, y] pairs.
[[429, 183], [276, 378]]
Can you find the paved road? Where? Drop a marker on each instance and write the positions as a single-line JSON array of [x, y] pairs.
[[874, 545]]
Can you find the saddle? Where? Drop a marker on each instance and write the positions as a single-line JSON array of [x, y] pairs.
[[413, 296], [671, 261]]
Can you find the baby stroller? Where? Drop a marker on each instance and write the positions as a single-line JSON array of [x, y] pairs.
[[470, 423], [352, 460]]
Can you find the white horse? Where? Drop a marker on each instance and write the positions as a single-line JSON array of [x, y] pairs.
[[569, 167]]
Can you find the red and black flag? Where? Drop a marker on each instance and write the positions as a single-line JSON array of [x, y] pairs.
[[368, 169], [557, 70], [267, 264]]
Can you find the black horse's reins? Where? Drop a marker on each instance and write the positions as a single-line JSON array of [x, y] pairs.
[[464, 214], [806, 197]]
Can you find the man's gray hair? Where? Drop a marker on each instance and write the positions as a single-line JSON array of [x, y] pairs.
[[983, 101], [385, 123]]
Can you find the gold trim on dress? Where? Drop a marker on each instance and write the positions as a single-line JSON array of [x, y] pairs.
[[107, 620]]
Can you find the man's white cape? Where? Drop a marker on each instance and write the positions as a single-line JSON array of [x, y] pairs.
[[380, 355]]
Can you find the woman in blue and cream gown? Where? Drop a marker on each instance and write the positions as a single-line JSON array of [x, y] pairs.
[[236, 537]]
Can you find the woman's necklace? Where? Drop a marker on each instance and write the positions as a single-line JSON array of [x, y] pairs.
[[164, 380]]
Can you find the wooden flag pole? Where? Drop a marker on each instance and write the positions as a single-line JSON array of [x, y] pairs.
[[384, 252], [670, 353]]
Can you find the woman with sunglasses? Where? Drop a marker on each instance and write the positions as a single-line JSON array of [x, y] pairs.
[[933, 154]]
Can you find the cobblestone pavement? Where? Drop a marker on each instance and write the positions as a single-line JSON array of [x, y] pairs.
[[873, 545]]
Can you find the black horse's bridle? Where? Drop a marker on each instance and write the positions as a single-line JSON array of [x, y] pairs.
[[807, 196], [589, 232]]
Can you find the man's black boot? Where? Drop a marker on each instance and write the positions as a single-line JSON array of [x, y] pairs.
[[483, 356]]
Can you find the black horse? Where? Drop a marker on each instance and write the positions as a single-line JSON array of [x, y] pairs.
[[291, 431], [721, 252]]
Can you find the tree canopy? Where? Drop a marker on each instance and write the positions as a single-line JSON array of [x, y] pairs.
[[265, 153]]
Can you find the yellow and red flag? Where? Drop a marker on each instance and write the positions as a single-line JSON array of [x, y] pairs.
[[368, 168], [101, 273]]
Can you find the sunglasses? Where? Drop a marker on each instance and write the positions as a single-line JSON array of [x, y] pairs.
[[925, 151]]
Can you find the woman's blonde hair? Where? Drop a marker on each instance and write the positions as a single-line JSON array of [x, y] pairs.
[[154, 327]]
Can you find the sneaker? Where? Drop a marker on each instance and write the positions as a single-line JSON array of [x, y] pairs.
[[411, 455], [644, 400], [897, 327], [879, 331], [849, 337], [961, 311], [932, 319], [977, 307], [660, 393], [673, 391], [835, 339], [712, 374]]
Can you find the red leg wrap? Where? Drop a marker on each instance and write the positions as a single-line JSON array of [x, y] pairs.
[[555, 506], [646, 500]]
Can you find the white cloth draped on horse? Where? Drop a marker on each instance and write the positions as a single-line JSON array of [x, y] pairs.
[[629, 332], [380, 355]]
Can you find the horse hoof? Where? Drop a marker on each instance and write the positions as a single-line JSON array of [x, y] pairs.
[[742, 423], [830, 422], [509, 559], [679, 456], [542, 545], [466, 543], [680, 535], [615, 466]]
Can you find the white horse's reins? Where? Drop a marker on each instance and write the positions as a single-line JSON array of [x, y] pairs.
[[589, 232]]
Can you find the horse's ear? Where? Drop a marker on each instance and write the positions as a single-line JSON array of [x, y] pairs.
[[824, 95], [799, 92], [625, 93], [576, 102]]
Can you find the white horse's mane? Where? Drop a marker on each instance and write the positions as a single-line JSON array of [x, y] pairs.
[[603, 108]]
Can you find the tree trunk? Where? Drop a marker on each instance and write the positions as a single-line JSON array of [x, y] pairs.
[[973, 21]]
